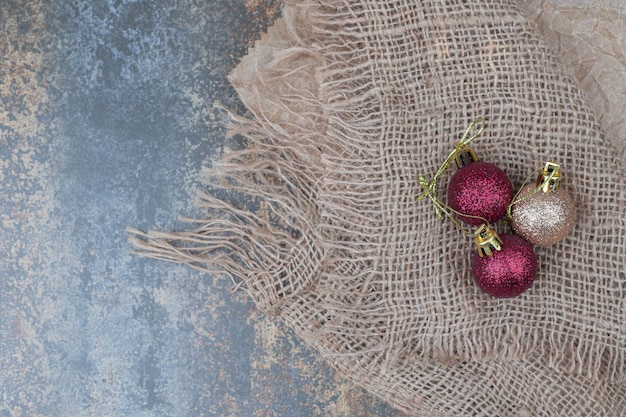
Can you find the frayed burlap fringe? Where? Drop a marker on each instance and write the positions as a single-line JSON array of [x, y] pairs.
[[318, 220]]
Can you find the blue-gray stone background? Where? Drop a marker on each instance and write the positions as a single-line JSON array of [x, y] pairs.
[[106, 118]]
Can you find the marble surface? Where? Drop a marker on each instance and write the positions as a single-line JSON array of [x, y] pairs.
[[107, 116]]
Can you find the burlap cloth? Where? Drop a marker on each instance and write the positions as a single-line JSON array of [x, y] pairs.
[[317, 217]]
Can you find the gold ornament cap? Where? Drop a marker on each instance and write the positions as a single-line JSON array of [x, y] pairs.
[[487, 240], [464, 155], [549, 177]]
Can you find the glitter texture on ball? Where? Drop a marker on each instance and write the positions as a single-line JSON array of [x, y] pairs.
[[508, 272], [543, 218], [480, 189]]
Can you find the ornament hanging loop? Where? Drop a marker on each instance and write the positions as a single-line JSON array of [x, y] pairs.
[[430, 188], [466, 138], [463, 154]]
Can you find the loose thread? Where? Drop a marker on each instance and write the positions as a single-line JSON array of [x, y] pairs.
[[430, 187]]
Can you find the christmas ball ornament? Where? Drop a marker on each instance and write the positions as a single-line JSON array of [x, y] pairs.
[[504, 266], [478, 189], [544, 213]]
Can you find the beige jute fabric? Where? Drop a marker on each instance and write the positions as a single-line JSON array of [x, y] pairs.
[[589, 38], [318, 217]]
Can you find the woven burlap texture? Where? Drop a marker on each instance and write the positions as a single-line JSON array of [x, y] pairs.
[[318, 217]]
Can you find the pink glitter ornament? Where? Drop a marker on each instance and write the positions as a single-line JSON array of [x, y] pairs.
[[480, 189], [545, 213], [504, 266]]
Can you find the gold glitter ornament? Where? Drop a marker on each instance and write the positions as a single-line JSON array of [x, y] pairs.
[[544, 213]]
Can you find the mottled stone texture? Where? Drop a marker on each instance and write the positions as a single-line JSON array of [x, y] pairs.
[[105, 121]]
